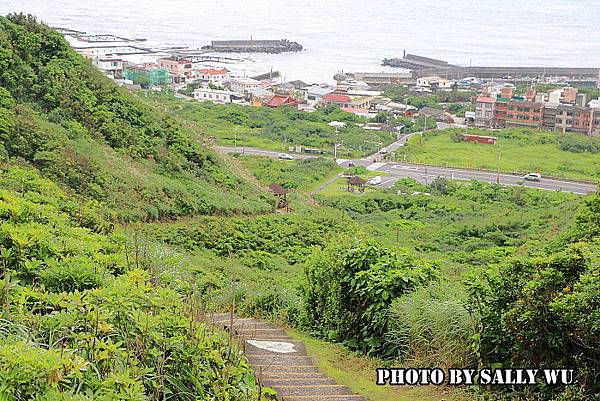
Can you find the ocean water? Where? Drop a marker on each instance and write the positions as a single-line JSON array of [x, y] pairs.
[[349, 35]]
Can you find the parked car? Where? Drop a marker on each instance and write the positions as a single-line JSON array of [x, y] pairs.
[[375, 180], [532, 177], [285, 156]]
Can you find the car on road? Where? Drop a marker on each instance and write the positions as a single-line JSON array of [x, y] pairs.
[[375, 180], [285, 156], [351, 164], [532, 177]]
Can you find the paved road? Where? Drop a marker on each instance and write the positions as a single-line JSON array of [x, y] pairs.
[[258, 152], [426, 174]]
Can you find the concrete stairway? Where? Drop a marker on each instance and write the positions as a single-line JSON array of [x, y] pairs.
[[282, 363]]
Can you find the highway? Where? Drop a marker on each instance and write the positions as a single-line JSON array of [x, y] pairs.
[[425, 174]]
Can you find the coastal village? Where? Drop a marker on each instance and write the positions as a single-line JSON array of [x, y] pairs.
[[492, 101]]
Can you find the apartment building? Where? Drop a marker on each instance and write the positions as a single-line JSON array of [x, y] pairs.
[[484, 111], [524, 113]]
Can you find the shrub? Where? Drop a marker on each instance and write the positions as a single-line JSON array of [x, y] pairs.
[[349, 289]]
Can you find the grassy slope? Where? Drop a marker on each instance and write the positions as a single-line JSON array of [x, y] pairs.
[[532, 151], [274, 129], [63, 117], [305, 175]]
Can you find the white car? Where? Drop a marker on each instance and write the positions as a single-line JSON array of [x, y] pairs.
[[375, 180], [532, 177], [285, 156]]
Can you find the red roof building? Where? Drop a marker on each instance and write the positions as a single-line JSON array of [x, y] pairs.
[[336, 98], [279, 100], [213, 75]]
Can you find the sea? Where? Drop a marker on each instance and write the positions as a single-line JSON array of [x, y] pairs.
[[348, 35]]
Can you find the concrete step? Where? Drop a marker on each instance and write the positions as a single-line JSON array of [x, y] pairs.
[[310, 381], [279, 359], [216, 317], [323, 398], [283, 369], [275, 332], [324, 389], [281, 362], [263, 336], [248, 325], [262, 347], [270, 375]]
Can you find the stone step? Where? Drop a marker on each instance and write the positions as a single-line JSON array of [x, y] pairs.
[[250, 325], [324, 389], [323, 398], [215, 317], [270, 375], [262, 347], [283, 369], [310, 381], [282, 363], [263, 336], [279, 359], [275, 332]]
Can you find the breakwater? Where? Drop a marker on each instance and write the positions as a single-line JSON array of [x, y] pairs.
[[254, 46], [507, 72]]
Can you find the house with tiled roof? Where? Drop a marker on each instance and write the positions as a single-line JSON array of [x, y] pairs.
[[215, 76], [280, 100], [342, 100]]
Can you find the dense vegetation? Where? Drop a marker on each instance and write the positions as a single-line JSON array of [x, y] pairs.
[[521, 150], [277, 128], [60, 114], [556, 294], [528, 298], [82, 316]]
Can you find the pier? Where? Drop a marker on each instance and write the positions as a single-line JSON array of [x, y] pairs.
[[414, 62], [254, 46]]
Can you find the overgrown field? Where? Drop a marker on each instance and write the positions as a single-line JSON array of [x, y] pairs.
[[518, 150], [275, 128]]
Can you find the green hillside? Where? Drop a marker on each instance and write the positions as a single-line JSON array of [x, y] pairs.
[[120, 233], [60, 115]]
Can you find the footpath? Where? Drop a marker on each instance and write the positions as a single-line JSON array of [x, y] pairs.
[[282, 363]]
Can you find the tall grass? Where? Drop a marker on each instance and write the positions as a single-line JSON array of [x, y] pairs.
[[433, 327]]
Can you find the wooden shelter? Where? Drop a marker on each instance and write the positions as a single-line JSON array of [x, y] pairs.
[[356, 183], [281, 192]]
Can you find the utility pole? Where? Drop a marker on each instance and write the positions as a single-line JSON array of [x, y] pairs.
[[335, 144], [498, 172], [423, 130]]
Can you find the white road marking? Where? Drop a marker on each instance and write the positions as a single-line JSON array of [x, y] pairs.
[[273, 346]]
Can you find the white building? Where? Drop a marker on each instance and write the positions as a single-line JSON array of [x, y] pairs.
[[314, 94], [214, 95], [215, 76], [434, 83], [243, 85], [484, 111], [110, 65]]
